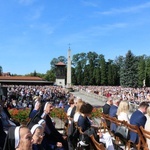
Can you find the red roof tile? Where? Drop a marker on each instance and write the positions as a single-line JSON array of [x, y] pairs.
[[20, 78], [60, 64]]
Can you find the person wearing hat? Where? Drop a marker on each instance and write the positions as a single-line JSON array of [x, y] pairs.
[[18, 138], [52, 136], [37, 134]]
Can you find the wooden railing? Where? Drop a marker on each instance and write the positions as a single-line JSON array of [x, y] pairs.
[[141, 144]]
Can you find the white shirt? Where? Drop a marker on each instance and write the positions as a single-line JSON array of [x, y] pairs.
[[123, 116], [76, 116]]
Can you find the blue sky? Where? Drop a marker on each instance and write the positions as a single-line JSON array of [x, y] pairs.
[[33, 32]]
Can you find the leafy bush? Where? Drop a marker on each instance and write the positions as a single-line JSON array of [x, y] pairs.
[[22, 115], [96, 113]]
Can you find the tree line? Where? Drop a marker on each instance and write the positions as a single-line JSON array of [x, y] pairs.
[[93, 69]]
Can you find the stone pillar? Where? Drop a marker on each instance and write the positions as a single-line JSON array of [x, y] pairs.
[[69, 69]]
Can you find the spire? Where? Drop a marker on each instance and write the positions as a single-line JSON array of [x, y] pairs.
[[69, 68]]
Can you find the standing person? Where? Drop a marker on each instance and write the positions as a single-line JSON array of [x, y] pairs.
[[18, 138], [107, 106], [147, 125], [123, 111], [106, 109], [138, 118], [113, 112]]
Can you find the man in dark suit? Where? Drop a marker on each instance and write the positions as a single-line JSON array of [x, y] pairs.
[[113, 111], [106, 108], [138, 118]]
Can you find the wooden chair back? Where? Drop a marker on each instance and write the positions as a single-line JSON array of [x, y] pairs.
[[118, 140], [94, 143], [97, 145], [141, 139], [104, 119], [146, 135]]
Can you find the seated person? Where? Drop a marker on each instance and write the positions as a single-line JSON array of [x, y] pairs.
[[37, 134], [5, 120], [85, 123], [18, 138], [52, 136], [106, 138], [2, 135], [35, 109]]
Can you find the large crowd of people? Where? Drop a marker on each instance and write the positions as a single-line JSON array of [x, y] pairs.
[[40, 132]]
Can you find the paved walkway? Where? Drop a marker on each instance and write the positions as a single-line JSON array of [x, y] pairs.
[[90, 99]]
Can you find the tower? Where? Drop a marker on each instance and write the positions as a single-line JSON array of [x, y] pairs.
[[69, 69], [60, 74]]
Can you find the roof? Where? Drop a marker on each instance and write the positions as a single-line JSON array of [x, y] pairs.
[[60, 64], [27, 78], [23, 80]]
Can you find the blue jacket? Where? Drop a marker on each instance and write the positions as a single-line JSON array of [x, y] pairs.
[[112, 113], [138, 119]]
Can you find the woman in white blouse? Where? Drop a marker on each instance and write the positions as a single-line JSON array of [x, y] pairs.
[[123, 111], [77, 113]]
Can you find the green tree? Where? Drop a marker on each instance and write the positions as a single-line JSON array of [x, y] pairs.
[[119, 63], [110, 72], [129, 77], [34, 74], [97, 75], [141, 70], [50, 75], [54, 61], [79, 62], [73, 76], [1, 70], [92, 61], [102, 65], [148, 71], [79, 74], [115, 74]]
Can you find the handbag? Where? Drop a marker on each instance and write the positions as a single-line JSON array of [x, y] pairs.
[[122, 132]]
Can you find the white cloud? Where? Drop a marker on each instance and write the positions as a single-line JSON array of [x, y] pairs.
[[133, 9], [36, 13], [26, 2], [91, 33], [92, 4], [43, 27]]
